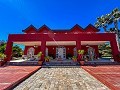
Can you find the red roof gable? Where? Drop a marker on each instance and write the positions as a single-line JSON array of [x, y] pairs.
[[91, 28], [30, 29], [77, 29], [44, 29]]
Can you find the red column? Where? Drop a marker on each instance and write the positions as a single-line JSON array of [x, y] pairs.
[[78, 47], [43, 49], [8, 51], [114, 48], [25, 50]]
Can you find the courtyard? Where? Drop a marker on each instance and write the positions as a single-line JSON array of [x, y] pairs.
[[103, 77], [61, 79]]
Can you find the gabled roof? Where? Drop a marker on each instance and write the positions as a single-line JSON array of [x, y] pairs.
[[77, 28], [44, 27], [74, 29], [91, 28], [30, 28]]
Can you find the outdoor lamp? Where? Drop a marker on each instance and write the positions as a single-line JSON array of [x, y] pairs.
[[35, 46]]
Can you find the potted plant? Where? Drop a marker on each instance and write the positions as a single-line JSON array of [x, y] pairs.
[[39, 58], [47, 58], [2, 57], [80, 55], [74, 58], [39, 55]]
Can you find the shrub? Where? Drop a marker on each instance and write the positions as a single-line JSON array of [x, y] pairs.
[[39, 54]]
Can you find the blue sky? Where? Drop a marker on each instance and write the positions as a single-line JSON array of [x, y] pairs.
[[16, 15]]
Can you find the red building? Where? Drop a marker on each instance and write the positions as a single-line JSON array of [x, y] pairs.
[[61, 43]]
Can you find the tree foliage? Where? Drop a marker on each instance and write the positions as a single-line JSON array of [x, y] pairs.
[[2, 47], [106, 20], [105, 50], [16, 50]]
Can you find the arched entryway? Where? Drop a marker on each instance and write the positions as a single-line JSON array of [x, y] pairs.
[[30, 52], [91, 53], [46, 52]]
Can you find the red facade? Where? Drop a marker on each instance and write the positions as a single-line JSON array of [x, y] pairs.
[[69, 50], [77, 37]]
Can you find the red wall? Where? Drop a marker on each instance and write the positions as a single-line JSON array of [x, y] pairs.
[[52, 51]]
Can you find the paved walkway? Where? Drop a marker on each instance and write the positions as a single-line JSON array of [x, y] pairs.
[[61, 79], [12, 75], [109, 75]]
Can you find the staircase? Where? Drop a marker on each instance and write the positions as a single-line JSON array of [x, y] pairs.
[[102, 63], [65, 63], [26, 63]]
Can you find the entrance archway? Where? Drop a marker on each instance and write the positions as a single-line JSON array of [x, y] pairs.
[[61, 52]]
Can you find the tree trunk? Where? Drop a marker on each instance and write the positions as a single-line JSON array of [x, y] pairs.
[[116, 27], [105, 29]]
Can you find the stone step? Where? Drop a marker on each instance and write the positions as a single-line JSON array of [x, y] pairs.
[[45, 66], [102, 63], [23, 63], [61, 64]]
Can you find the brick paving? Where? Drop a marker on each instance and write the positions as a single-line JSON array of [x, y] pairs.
[[109, 75], [12, 75], [61, 79]]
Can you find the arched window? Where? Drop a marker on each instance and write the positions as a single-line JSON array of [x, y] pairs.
[[30, 52], [75, 51], [46, 51], [61, 52], [91, 53]]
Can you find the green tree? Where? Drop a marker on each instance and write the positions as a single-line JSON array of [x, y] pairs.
[[115, 18], [106, 20], [17, 51], [105, 50], [102, 22], [2, 47]]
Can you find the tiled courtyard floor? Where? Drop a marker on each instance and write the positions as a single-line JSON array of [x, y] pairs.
[[109, 75], [11, 75], [61, 79]]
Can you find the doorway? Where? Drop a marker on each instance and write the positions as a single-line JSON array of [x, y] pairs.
[[61, 52]]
